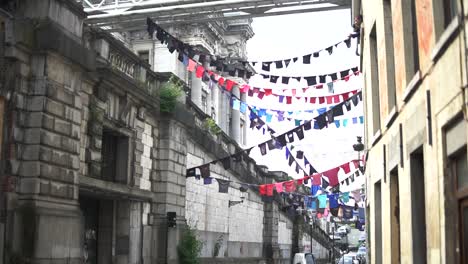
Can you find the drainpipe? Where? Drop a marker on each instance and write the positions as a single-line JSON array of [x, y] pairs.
[[141, 232]]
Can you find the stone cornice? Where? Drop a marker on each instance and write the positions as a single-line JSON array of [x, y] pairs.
[[75, 7]]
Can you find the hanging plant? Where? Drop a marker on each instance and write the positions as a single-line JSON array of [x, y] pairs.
[[170, 91], [211, 125], [189, 247]]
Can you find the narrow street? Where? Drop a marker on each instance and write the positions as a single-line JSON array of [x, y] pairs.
[[233, 131]]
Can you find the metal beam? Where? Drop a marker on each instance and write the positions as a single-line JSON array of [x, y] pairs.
[[125, 15], [213, 6], [139, 24]]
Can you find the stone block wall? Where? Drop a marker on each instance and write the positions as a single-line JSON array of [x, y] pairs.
[[44, 157], [285, 226], [319, 251], [64, 100], [235, 231]]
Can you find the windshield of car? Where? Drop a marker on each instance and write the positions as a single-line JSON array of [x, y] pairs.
[[309, 259], [362, 250], [346, 260]]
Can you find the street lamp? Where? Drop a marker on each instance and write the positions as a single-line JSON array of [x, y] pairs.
[[242, 198], [359, 147]]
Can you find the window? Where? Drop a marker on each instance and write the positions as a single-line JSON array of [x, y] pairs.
[[414, 39], [242, 132], [459, 169], [213, 114], [144, 55], [444, 13], [418, 206], [375, 80], [214, 103], [450, 11], [115, 153], [395, 215], [410, 40], [378, 222], [2, 114], [389, 58], [464, 235], [456, 191], [204, 101]]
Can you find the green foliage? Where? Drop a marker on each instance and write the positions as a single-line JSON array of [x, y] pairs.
[[189, 247], [211, 125], [169, 93]]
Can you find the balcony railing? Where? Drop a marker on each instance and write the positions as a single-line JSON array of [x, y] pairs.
[[123, 60]]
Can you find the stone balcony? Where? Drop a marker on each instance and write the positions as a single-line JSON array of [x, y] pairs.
[[116, 58]]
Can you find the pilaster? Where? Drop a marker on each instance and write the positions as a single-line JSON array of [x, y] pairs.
[[169, 186]]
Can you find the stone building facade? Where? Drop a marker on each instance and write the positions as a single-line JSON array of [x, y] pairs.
[[414, 63], [223, 38], [90, 167]]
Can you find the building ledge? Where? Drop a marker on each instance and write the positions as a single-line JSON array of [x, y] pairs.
[[376, 137], [412, 86], [114, 189], [445, 39], [391, 117]]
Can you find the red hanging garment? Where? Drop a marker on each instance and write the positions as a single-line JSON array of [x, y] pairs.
[[317, 179], [289, 186], [332, 176], [200, 71]]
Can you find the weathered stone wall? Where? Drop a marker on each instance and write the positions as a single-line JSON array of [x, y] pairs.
[[235, 231], [285, 235], [319, 251], [60, 104], [72, 88]]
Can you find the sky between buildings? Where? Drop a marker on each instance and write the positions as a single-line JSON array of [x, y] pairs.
[[289, 36]]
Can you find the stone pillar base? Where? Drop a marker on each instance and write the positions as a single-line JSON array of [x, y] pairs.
[[45, 232]]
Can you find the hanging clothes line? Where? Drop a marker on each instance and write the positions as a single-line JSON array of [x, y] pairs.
[[312, 80], [317, 86], [280, 63]]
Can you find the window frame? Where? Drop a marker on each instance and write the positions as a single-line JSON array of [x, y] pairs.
[[144, 52], [375, 87], [462, 204], [450, 11], [453, 196], [462, 193], [204, 101], [128, 136]]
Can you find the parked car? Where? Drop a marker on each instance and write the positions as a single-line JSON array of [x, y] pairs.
[[343, 230], [349, 258], [335, 237], [361, 254], [304, 258], [362, 237]]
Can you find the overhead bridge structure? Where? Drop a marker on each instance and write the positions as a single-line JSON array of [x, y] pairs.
[[125, 15]]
